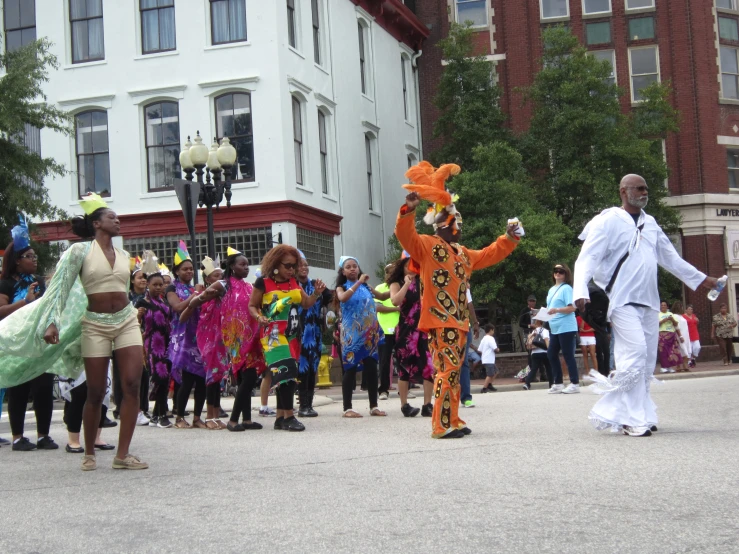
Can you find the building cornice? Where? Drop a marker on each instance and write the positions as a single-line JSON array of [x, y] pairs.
[[244, 216], [396, 19]]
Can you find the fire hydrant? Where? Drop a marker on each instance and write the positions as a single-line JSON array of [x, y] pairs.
[[324, 373]]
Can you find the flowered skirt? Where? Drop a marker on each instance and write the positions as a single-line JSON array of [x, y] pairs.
[[669, 349]]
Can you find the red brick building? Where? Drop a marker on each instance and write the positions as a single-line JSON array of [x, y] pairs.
[[694, 45]]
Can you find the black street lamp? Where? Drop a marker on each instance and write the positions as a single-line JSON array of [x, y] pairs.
[[217, 173]]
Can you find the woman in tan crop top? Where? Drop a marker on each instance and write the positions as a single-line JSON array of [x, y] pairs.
[[110, 323]]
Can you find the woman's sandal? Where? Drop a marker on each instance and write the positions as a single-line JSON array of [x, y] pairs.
[[220, 424], [181, 423], [198, 424], [211, 424], [352, 414], [377, 412]]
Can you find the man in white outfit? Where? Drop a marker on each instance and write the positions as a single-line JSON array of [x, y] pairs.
[[622, 249]]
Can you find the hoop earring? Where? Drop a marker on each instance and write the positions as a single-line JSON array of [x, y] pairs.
[[275, 271]]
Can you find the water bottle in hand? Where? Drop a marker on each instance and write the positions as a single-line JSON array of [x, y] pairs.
[[714, 292]]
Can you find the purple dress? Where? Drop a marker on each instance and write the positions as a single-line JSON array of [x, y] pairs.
[[412, 355], [183, 344], [156, 322]]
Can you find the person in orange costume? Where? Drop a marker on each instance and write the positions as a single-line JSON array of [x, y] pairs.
[[445, 269]]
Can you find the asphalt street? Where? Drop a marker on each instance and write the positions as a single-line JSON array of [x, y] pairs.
[[533, 477]]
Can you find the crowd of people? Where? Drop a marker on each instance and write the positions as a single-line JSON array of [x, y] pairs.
[[165, 337]]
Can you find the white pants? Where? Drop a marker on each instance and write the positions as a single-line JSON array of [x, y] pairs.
[[626, 399], [695, 348]]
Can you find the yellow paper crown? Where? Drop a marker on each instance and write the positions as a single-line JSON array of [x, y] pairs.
[[134, 264], [163, 269], [232, 252], [92, 202], [209, 265]]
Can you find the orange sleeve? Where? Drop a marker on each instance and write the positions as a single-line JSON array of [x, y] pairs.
[[491, 255], [405, 231]]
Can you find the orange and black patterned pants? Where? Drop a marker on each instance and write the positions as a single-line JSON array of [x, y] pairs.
[[447, 347]]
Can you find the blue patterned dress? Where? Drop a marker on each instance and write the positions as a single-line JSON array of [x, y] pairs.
[[183, 345], [360, 330]]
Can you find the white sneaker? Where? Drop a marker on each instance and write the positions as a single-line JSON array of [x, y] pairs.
[[664, 370], [383, 396], [571, 389], [142, 419], [556, 389]]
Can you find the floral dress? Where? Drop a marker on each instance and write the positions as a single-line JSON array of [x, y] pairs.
[[156, 325], [183, 347], [360, 330], [227, 336], [412, 353], [724, 326]]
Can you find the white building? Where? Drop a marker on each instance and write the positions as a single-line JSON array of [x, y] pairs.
[[319, 97]]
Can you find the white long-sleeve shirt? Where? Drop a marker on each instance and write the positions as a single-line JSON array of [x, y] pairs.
[[608, 236]]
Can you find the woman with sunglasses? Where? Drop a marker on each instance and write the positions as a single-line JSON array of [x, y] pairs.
[[19, 286], [274, 301], [228, 336], [563, 331]]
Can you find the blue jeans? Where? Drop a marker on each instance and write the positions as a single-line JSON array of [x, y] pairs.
[[564, 342], [464, 373]]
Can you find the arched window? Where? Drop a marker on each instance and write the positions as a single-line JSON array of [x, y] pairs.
[[91, 146], [162, 121], [233, 120]]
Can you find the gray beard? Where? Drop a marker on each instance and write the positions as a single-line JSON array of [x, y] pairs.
[[637, 203]]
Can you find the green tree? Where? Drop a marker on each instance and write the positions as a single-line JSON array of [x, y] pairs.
[[580, 143], [22, 104], [468, 101], [497, 190]]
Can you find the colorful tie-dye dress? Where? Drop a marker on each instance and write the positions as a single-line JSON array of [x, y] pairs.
[[360, 330]]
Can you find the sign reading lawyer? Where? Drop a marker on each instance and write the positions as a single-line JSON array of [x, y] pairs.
[[726, 213]]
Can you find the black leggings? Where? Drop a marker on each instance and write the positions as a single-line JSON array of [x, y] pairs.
[[73, 410], [160, 400], [213, 394], [349, 383], [188, 380], [538, 364], [42, 388], [386, 363], [285, 395], [242, 403], [307, 381]]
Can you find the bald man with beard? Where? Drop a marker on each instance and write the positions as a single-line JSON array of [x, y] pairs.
[[623, 246]]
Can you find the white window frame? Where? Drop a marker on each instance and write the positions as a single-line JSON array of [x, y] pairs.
[[368, 73], [613, 61], [722, 73], [317, 32], [487, 13], [631, 74], [609, 10], [404, 66], [298, 141], [372, 166], [327, 107], [324, 151], [541, 12], [295, 23], [629, 9], [734, 149]]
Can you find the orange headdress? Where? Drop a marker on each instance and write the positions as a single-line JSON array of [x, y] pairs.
[[430, 184]]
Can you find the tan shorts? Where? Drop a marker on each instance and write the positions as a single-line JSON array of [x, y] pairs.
[[100, 338]]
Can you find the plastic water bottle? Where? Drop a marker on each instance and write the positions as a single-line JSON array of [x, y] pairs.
[[714, 292]]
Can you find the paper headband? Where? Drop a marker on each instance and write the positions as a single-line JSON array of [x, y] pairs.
[[92, 202], [210, 265], [182, 255]]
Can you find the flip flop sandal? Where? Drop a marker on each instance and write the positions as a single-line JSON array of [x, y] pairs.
[[211, 424], [182, 424], [220, 424], [351, 414], [377, 412], [199, 424]]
